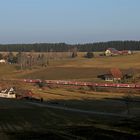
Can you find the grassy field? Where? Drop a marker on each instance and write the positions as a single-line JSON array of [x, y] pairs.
[[86, 99], [79, 68], [65, 73], [89, 100], [86, 69], [123, 62], [120, 61], [21, 120]]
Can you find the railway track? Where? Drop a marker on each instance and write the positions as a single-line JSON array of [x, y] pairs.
[[82, 84], [78, 83]]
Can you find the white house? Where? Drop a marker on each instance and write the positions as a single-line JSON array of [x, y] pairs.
[[111, 52], [2, 61]]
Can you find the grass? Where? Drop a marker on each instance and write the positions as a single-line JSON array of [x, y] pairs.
[[20, 120], [123, 62], [79, 68], [85, 69], [82, 99], [65, 73], [88, 100], [6, 71]]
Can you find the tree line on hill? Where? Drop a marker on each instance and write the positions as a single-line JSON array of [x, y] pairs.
[[62, 47]]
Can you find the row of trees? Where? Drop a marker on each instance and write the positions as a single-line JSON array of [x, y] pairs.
[[26, 60], [62, 47]]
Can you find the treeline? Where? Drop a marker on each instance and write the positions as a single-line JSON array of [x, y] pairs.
[[25, 60], [62, 47], [102, 46]]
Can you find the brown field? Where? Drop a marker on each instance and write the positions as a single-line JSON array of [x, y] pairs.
[[79, 68], [122, 62], [66, 73], [21, 120]]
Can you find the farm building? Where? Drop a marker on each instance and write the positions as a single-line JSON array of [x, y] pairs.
[[125, 52], [7, 93], [111, 52], [114, 52], [114, 75], [2, 61]]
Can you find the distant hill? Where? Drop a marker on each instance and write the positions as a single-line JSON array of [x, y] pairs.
[[63, 47]]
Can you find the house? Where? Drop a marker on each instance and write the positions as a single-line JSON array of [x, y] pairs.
[[114, 52], [114, 75], [7, 93], [117, 74], [2, 61], [111, 52], [107, 77]]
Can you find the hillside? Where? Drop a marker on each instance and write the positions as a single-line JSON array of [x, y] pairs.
[[79, 68], [69, 113], [85, 69]]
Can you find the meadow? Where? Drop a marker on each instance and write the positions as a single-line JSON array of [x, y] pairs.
[[78, 68], [19, 119]]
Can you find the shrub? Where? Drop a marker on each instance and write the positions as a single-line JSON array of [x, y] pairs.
[[89, 55]]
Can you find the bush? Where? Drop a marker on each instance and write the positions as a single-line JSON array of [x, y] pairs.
[[41, 84], [89, 55]]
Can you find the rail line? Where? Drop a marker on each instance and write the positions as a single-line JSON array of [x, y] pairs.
[[77, 83]]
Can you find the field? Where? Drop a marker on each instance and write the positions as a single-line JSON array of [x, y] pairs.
[[79, 68], [122, 62], [69, 113], [24, 120]]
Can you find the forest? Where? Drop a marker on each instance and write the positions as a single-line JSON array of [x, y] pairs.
[[63, 47]]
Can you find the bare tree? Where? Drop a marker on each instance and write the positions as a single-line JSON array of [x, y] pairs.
[[74, 52]]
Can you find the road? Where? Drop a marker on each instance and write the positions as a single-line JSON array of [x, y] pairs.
[[78, 110]]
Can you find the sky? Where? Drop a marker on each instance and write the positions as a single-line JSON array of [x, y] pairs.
[[69, 21]]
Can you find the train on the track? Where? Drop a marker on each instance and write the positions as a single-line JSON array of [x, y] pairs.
[[77, 83]]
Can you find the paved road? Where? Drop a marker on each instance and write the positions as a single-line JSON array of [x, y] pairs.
[[78, 110]]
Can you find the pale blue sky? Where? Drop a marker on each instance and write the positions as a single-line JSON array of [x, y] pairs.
[[70, 21]]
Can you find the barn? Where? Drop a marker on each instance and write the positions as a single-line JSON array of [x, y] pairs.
[[111, 52], [114, 52]]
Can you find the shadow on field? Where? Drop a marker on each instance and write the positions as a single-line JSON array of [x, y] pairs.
[[107, 105], [20, 120], [72, 133]]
